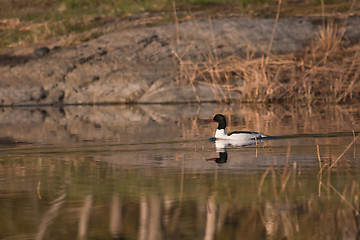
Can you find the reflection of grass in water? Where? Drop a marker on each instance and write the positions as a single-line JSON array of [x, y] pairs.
[[286, 202]]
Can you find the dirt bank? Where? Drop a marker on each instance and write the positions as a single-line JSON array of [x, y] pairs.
[[142, 64]]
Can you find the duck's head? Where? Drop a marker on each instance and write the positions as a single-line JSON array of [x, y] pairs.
[[219, 118]]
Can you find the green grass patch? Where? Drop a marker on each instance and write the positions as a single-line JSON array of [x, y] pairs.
[[12, 36], [62, 17]]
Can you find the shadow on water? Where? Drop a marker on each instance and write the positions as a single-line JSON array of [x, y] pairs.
[[148, 172]]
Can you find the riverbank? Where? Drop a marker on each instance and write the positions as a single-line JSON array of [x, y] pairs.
[[199, 60]]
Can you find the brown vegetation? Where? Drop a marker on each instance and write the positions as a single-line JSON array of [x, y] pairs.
[[325, 72]]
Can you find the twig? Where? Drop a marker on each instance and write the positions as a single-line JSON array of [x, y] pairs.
[[176, 24], [262, 180], [273, 33], [342, 154]]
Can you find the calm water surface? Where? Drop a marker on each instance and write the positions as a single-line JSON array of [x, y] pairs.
[[150, 172]]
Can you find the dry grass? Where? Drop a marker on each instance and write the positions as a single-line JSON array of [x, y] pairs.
[[325, 72]]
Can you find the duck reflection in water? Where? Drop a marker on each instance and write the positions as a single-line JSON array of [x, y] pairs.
[[222, 145], [221, 159]]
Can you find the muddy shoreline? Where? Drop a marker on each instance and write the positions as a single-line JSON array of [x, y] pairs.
[[141, 64]]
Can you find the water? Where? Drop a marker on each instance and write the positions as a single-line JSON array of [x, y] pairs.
[[148, 172]]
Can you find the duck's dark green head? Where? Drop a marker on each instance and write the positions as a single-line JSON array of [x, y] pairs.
[[219, 118]]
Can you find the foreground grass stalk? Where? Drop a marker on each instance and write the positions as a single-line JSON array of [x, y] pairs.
[[273, 32], [342, 154]]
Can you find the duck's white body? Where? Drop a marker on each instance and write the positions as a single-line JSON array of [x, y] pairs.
[[222, 144], [240, 136]]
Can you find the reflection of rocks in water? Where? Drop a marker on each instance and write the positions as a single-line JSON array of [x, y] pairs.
[[8, 141], [149, 123], [122, 123], [72, 124]]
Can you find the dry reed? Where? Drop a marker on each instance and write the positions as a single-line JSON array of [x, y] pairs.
[[324, 72]]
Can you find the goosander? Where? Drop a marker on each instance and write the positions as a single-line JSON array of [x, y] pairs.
[[233, 136]]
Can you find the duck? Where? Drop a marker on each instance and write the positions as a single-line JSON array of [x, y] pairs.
[[220, 133]]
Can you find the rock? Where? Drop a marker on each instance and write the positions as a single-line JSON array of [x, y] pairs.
[[189, 94], [40, 52], [142, 64]]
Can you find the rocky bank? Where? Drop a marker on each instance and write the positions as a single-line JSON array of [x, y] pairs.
[[141, 64]]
